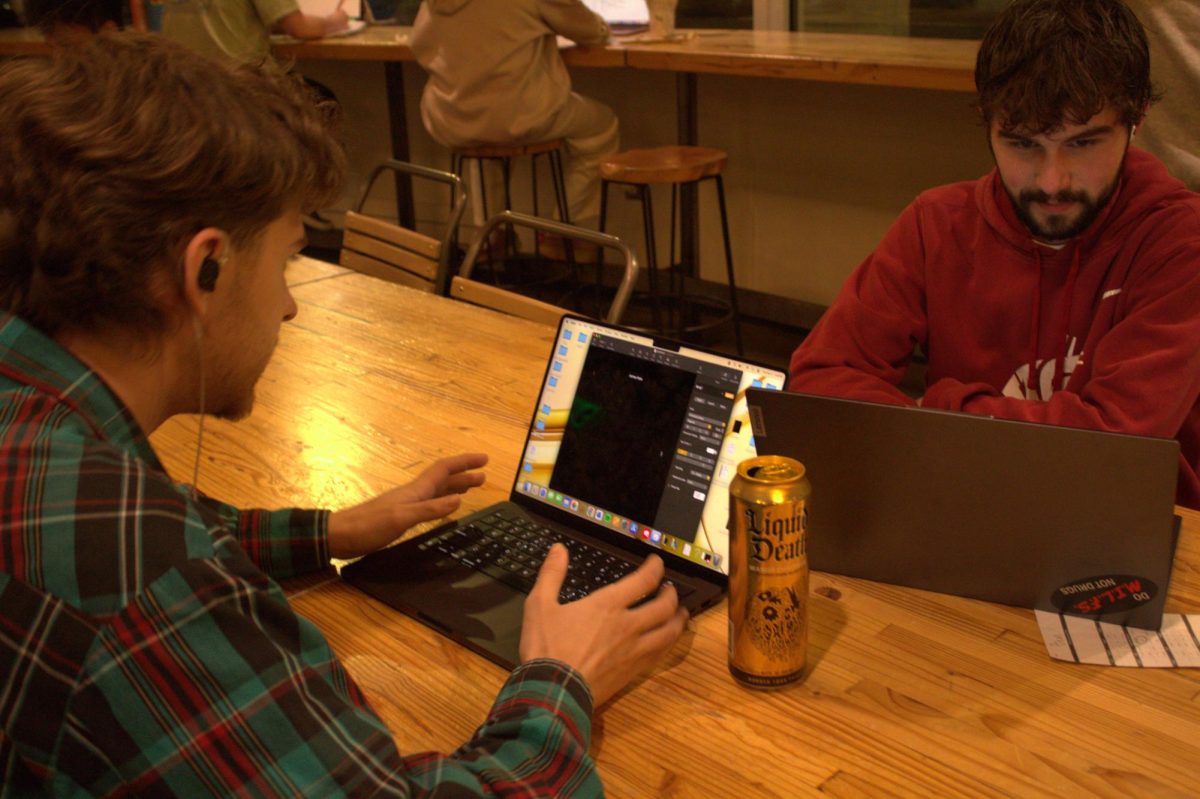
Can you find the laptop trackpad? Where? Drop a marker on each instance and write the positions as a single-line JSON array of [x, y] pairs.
[[471, 608]]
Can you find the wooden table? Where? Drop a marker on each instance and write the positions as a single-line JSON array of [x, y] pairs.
[[943, 64], [22, 41], [909, 692]]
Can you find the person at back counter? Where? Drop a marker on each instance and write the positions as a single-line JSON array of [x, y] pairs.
[[240, 30], [150, 201], [496, 78], [1064, 286]]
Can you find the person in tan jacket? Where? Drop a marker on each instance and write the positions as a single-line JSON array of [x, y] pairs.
[[496, 77], [1172, 130]]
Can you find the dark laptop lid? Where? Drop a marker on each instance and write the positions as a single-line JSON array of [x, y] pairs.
[[1025, 514]]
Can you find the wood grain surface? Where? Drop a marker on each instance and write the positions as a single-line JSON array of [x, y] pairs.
[[907, 692], [943, 64]]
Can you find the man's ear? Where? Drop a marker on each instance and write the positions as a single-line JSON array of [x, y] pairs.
[[203, 257], [1133, 128]]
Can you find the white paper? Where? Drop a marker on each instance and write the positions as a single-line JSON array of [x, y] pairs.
[[1073, 638], [620, 11], [353, 27], [323, 8]]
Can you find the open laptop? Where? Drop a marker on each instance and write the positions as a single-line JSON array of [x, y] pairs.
[[1034, 515], [623, 16], [630, 450]]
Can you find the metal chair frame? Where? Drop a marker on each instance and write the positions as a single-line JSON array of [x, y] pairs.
[[398, 243], [463, 287]]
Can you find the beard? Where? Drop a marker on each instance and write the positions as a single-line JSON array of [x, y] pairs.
[[1060, 227], [232, 388]]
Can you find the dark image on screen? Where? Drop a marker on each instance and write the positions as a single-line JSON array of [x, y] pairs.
[[621, 433]]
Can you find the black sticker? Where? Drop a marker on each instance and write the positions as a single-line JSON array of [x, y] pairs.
[[1108, 594]]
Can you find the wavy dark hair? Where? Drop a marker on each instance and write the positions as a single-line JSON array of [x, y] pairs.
[[116, 151], [1046, 63]]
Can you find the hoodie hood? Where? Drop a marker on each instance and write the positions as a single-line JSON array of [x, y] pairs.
[[446, 7]]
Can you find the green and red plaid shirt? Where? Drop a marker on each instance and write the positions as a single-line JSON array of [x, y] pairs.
[[144, 651]]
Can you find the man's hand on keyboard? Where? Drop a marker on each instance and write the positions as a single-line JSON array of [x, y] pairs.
[[602, 635], [377, 522]]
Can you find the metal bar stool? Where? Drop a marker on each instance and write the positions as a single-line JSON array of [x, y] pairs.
[[505, 153], [676, 165]]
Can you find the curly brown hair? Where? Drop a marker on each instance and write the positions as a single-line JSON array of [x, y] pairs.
[[114, 153], [1046, 63]]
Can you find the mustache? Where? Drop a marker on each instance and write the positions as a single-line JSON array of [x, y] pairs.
[[1028, 196]]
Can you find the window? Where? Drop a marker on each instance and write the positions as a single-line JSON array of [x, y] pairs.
[[951, 19]]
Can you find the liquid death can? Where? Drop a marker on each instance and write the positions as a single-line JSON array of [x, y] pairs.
[[768, 571]]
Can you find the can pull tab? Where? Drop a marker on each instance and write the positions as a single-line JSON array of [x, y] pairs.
[[775, 471]]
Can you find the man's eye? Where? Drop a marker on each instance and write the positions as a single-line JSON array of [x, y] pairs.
[[1021, 144], [1080, 144]]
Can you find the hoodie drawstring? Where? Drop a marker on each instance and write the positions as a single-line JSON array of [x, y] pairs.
[[1031, 376], [1032, 383], [1065, 314]]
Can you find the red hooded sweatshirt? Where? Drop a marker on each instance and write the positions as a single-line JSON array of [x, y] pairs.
[[1109, 324]]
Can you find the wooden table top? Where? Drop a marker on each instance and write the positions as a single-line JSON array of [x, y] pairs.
[[944, 64], [22, 41], [909, 692]]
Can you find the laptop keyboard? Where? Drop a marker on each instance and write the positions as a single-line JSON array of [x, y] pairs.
[[511, 549]]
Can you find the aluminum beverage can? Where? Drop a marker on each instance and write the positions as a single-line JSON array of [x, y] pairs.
[[768, 571]]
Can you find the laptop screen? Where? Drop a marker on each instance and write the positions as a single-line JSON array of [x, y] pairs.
[[642, 439]]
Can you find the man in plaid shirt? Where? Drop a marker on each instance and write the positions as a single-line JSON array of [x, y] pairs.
[[149, 201]]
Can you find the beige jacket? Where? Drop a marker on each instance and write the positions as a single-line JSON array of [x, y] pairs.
[[495, 74], [1172, 127]]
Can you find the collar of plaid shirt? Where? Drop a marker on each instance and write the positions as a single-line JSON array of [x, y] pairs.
[[30, 358]]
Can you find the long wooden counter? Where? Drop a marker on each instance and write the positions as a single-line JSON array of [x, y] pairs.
[[22, 41], [390, 43], [945, 64], [908, 692]]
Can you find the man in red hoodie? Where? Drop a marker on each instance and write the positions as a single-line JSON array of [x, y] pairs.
[[1063, 287]]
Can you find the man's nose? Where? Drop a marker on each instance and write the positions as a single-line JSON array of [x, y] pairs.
[[1055, 173]]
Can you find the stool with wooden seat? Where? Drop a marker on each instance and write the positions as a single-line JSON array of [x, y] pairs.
[[552, 151], [677, 166], [505, 153]]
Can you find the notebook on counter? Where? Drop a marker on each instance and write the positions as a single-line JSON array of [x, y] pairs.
[[1054, 518], [630, 449], [623, 16]]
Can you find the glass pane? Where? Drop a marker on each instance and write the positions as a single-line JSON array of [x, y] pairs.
[[953, 19], [950, 19], [714, 14]]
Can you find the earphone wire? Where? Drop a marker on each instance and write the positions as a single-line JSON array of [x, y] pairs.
[[200, 426]]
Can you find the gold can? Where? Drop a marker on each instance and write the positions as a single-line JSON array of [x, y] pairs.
[[768, 571]]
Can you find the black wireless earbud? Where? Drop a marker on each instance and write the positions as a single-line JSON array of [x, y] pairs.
[[207, 277]]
